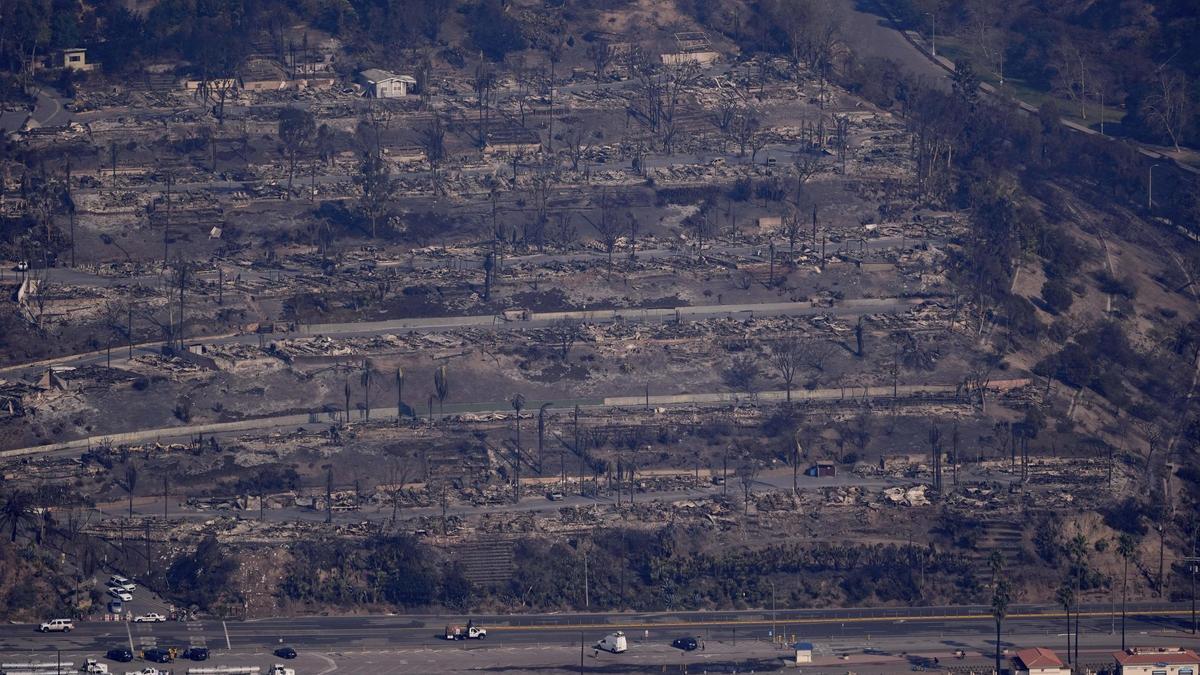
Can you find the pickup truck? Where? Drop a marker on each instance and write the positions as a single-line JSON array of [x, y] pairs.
[[280, 669], [465, 633], [148, 671], [94, 666]]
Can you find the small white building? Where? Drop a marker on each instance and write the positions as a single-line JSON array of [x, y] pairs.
[[804, 652], [382, 84], [75, 59], [1039, 661], [1157, 661]]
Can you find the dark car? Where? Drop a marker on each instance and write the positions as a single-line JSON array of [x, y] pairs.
[[285, 653], [119, 654], [157, 655], [687, 644], [196, 653]]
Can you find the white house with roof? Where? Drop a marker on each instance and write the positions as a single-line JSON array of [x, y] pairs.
[[384, 84], [1157, 661]]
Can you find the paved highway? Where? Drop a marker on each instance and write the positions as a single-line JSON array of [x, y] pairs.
[[343, 632]]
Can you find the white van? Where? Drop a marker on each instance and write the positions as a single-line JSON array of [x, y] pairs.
[[57, 626], [613, 642]]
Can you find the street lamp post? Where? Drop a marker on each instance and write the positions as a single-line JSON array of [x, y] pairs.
[[1150, 188], [933, 17], [1193, 562], [773, 634]]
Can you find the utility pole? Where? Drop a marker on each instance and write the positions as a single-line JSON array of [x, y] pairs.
[[167, 222], [1193, 562]]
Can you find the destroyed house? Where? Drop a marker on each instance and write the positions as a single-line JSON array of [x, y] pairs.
[[691, 47], [264, 75], [513, 139]]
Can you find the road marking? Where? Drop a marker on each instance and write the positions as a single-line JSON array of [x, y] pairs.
[[226, 629], [129, 632], [332, 664]]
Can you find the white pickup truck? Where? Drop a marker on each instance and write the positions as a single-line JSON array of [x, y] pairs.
[[469, 632], [148, 671]]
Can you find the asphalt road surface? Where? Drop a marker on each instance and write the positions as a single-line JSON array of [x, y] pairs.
[[931, 627]]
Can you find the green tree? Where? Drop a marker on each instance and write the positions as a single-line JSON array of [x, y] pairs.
[[375, 181], [203, 576], [16, 512], [966, 82], [1057, 295], [297, 132], [441, 385]]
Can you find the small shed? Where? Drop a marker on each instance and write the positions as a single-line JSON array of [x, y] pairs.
[[804, 652], [822, 470]]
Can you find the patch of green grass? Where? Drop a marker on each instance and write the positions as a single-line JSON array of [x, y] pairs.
[[951, 47]]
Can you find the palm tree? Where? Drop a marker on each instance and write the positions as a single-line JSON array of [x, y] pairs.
[[995, 564], [1066, 596], [1079, 553], [16, 511], [1125, 547], [1001, 597]]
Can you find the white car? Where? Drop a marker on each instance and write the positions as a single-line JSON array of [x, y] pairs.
[[94, 666], [120, 594], [119, 581], [149, 617], [57, 626]]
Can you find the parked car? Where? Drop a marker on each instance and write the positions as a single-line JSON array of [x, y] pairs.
[[120, 594], [116, 606], [149, 617], [285, 653], [158, 655], [118, 581], [687, 644], [196, 653], [556, 496], [57, 626], [119, 654]]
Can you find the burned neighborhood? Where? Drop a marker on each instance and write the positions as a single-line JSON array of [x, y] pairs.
[[419, 336]]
